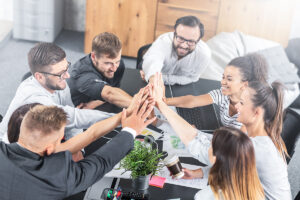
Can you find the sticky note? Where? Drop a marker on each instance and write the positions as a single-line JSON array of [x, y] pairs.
[[157, 181]]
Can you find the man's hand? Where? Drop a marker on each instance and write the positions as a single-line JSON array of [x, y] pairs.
[[138, 98], [138, 119], [77, 156], [142, 73], [158, 89]]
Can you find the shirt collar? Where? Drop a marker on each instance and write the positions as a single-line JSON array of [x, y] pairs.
[[25, 152]]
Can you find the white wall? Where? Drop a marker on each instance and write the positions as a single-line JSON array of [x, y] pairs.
[[295, 30], [6, 10], [75, 15]]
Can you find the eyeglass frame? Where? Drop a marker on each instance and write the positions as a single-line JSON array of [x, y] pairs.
[[182, 40], [59, 75]]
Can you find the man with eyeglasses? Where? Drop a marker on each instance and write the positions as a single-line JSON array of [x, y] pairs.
[[48, 86], [96, 78], [181, 56]]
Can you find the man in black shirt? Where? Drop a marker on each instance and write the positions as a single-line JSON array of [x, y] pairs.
[[96, 77]]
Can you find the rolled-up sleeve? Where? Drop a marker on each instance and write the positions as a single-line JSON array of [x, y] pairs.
[[89, 84], [199, 146], [153, 60]]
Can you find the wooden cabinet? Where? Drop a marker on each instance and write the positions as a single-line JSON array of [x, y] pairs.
[[133, 21], [170, 10]]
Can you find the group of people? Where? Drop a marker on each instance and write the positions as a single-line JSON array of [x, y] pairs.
[[42, 132]]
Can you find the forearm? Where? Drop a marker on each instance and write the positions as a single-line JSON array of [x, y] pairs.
[[89, 170], [182, 128], [190, 101], [93, 104], [118, 97], [183, 101], [198, 173], [178, 79], [96, 131]]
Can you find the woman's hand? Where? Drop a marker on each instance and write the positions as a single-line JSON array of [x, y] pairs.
[[191, 174]]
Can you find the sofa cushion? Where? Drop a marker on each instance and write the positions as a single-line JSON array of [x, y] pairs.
[[280, 68]]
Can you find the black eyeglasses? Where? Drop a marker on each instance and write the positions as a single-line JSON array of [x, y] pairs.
[[182, 40], [61, 76]]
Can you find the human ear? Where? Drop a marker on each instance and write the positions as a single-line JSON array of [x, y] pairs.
[[38, 76], [211, 157], [259, 111], [93, 56], [244, 85], [50, 149]]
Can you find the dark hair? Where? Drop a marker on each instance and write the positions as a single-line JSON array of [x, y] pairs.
[[42, 55], [253, 67], [270, 98], [234, 172], [14, 123], [106, 43], [191, 21]]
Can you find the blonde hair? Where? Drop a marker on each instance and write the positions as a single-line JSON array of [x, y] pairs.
[[45, 119], [234, 174]]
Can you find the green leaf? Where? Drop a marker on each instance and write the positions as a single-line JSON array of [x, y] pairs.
[[142, 160]]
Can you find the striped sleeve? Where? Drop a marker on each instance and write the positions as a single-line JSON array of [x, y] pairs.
[[217, 96]]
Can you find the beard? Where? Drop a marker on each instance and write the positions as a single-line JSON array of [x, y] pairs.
[[176, 48], [52, 86], [106, 74]]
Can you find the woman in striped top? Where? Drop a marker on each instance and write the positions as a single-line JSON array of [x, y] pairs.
[[237, 74]]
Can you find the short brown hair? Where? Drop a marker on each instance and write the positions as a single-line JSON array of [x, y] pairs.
[[45, 119], [42, 55], [106, 43], [14, 123]]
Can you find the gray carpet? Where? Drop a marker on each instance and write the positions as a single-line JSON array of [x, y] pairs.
[[13, 61]]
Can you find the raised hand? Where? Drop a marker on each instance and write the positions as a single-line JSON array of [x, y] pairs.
[[138, 119], [158, 88], [138, 98]]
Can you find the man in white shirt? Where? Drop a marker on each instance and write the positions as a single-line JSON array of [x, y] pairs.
[[181, 56]]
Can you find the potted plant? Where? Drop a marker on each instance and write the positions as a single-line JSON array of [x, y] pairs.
[[143, 161]]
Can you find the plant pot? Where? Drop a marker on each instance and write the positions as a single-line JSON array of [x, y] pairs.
[[141, 182]]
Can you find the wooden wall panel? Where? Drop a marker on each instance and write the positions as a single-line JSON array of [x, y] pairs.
[[133, 21], [139, 22], [170, 10], [270, 19]]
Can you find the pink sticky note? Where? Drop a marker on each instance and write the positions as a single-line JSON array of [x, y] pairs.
[[157, 181]]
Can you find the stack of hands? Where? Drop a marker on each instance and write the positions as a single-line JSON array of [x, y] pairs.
[[140, 113]]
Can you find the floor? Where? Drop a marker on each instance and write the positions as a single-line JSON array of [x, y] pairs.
[[13, 61]]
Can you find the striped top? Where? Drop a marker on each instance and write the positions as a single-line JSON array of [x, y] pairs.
[[223, 103]]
